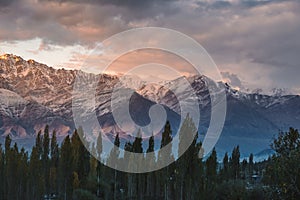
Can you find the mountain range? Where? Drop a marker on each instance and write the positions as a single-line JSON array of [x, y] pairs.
[[33, 95]]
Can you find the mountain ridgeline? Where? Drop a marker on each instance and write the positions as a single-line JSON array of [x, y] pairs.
[[33, 95]]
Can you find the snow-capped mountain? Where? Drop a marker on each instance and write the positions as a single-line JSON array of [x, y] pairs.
[[252, 119], [50, 91], [33, 95]]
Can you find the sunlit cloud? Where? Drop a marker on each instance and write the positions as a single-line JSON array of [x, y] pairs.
[[256, 40]]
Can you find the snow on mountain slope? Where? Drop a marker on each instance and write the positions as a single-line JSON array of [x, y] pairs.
[[51, 91], [252, 119], [33, 94]]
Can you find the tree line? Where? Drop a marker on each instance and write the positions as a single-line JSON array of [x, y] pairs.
[[68, 171]]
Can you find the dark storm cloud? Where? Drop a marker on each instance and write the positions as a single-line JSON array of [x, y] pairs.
[[257, 37], [5, 3], [78, 21]]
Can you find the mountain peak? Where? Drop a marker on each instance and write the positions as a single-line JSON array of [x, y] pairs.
[[11, 57]]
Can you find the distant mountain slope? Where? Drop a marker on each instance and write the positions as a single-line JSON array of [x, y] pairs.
[[33, 94]]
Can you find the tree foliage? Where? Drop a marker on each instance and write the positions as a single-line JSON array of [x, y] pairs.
[[68, 171], [283, 170]]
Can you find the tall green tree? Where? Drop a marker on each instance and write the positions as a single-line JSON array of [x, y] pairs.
[[113, 161], [7, 155], [45, 159], [22, 173], [80, 156], [99, 149], [211, 174], [283, 171], [150, 177], [2, 177], [251, 165], [235, 163], [137, 147], [35, 185], [12, 171], [196, 168], [65, 171], [166, 154], [244, 166], [187, 133], [225, 170], [54, 159], [39, 144], [129, 176]]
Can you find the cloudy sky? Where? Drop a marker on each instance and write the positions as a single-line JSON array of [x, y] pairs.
[[255, 43]]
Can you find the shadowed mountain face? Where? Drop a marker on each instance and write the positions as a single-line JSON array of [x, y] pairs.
[[33, 95]]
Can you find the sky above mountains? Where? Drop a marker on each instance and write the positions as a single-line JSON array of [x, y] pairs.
[[255, 43]]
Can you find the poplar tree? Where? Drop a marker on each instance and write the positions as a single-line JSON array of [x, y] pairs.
[[251, 165], [80, 157], [137, 147], [113, 161], [54, 153], [2, 178], [186, 134], [65, 171], [235, 163], [129, 176], [99, 149], [45, 159], [35, 182], [150, 177], [225, 169], [211, 170], [167, 154]]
